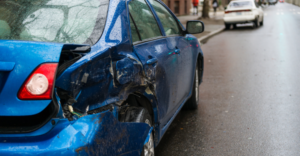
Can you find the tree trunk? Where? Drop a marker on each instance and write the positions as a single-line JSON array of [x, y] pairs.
[[205, 9]]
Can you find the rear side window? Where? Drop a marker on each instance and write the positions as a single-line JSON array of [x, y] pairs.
[[240, 4], [168, 21], [134, 33], [143, 19], [65, 21], [256, 4]]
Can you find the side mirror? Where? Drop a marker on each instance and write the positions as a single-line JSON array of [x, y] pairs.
[[194, 27]]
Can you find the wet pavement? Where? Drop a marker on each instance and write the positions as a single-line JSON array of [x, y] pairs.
[[250, 95]]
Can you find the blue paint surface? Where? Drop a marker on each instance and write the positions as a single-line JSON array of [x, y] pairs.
[[27, 56], [99, 134], [161, 70], [7, 66]]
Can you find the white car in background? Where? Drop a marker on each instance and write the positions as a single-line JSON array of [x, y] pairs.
[[243, 11]]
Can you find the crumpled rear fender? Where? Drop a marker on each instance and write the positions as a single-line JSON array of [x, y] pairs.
[[97, 134]]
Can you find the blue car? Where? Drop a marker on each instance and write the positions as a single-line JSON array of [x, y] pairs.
[[93, 77]]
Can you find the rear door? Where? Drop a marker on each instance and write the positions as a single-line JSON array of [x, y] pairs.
[[176, 37], [157, 54]]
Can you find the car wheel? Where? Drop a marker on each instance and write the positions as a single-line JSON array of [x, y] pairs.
[[234, 26], [149, 146], [192, 103], [227, 26], [256, 23], [139, 115], [262, 22]]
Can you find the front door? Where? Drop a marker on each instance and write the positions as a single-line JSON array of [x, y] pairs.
[[176, 37]]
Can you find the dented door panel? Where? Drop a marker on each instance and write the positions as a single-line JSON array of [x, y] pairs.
[[166, 73]]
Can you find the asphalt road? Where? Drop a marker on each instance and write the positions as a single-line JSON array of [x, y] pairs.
[[250, 95]]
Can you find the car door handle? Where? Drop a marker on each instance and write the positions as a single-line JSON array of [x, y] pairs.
[[152, 61], [7, 66]]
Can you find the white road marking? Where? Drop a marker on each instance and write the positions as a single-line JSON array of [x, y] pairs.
[[298, 12]]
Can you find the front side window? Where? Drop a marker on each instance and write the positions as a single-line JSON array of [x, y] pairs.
[[144, 20], [168, 21], [256, 4], [64, 21]]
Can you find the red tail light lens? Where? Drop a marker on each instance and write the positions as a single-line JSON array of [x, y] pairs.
[[39, 85]]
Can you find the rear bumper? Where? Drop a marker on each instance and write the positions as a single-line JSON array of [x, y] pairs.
[[98, 134], [237, 19]]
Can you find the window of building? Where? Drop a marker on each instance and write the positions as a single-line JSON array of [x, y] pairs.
[[176, 7]]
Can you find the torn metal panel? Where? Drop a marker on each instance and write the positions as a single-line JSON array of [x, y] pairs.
[[126, 70], [103, 80], [110, 71]]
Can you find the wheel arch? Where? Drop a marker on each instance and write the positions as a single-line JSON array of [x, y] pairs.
[[141, 100], [149, 102]]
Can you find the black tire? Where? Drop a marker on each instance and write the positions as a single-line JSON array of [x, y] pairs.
[[141, 115], [262, 22], [255, 23], [234, 26], [192, 103], [227, 26]]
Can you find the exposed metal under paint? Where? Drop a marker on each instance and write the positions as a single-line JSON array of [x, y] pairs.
[[148, 91], [121, 75]]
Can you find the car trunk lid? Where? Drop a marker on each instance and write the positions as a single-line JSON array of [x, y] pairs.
[[18, 59]]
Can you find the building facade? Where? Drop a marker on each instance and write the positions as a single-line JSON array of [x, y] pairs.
[[179, 7]]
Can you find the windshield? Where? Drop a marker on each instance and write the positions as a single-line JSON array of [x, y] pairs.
[[240, 4], [65, 21]]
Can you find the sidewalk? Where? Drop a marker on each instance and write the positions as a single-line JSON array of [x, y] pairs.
[[213, 25]]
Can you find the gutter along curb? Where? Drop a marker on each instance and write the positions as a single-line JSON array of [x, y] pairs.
[[211, 34]]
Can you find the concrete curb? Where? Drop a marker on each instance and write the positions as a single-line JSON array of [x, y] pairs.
[[211, 34]]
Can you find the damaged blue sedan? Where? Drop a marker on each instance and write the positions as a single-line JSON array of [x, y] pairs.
[[93, 77]]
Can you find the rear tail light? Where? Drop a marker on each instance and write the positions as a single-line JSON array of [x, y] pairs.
[[247, 10], [39, 85]]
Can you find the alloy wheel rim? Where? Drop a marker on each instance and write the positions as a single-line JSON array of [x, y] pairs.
[[149, 146]]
